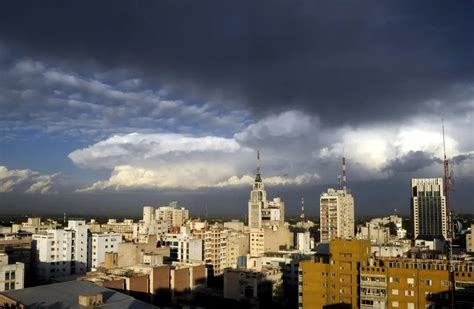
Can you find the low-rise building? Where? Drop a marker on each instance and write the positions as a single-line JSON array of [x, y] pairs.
[[12, 276], [184, 246], [18, 248], [270, 239], [100, 244], [248, 285]]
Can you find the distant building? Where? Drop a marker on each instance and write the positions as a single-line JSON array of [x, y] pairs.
[[268, 239], [428, 208], [262, 212], [258, 199], [336, 215], [172, 214], [382, 231], [12, 276], [184, 246], [470, 240]]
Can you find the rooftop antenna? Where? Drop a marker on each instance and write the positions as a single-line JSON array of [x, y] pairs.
[[258, 161], [343, 181], [64, 220], [449, 213], [302, 209]]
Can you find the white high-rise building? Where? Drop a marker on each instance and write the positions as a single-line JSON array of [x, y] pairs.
[[336, 215], [102, 243], [62, 252], [428, 208]]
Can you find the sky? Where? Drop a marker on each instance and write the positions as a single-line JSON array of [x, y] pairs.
[[106, 106]]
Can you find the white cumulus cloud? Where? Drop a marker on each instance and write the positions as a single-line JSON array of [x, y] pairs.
[[27, 181]]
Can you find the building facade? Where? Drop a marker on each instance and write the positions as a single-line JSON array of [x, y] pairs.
[[428, 208], [12, 276], [100, 244], [336, 215], [61, 252]]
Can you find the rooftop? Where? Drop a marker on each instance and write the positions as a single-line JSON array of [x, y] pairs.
[[66, 295]]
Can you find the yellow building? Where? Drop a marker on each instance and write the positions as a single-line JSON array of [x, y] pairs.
[[350, 276], [411, 283], [333, 280]]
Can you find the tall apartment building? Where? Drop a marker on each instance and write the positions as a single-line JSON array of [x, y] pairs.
[[428, 208], [335, 279], [172, 214], [61, 252], [336, 215], [100, 244], [215, 248], [11, 275]]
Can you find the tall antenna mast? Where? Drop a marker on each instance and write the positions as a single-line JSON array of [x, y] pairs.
[[258, 161], [343, 182], [449, 213], [302, 209]]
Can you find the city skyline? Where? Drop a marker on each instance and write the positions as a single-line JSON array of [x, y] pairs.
[[98, 117]]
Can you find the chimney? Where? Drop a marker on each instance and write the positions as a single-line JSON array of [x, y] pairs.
[[91, 300]]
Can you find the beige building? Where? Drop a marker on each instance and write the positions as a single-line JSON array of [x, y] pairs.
[[270, 240], [215, 248], [172, 214], [336, 215], [12, 276], [249, 286], [237, 246], [129, 254], [470, 240]]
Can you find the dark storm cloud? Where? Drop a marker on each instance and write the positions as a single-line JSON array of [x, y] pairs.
[[375, 60], [411, 162]]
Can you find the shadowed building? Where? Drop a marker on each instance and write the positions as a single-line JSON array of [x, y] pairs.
[[428, 208]]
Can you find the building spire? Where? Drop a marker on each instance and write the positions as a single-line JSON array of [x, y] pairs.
[[258, 177]]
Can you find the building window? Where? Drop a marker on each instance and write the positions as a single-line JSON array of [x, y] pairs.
[[395, 292], [395, 304]]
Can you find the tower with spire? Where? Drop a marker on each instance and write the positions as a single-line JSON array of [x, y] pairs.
[[258, 199]]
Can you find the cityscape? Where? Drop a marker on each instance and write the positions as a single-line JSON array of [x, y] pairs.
[[255, 154]]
